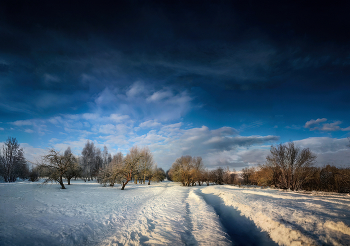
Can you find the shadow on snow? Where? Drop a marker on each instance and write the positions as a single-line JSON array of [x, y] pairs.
[[241, 230]]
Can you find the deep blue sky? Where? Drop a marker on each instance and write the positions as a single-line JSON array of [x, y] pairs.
[[219, 79]]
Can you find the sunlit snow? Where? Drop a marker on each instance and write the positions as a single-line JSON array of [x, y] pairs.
[[168, 214]]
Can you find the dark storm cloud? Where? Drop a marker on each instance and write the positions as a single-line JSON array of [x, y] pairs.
[[74, 50]]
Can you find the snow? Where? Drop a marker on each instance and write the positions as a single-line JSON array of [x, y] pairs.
[[291, 218], [168, 214]]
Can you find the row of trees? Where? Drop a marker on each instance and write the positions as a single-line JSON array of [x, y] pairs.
[[286, 167], [289, 167], [190, 171], [328, 178], [13, 165], [56, 166], [137, 165], [92, 160]]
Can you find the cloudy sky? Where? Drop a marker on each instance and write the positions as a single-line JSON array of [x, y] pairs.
[[221, 79]]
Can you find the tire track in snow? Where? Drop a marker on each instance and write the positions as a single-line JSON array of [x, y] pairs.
[[241, 230], [285, 225], [206, 226], [187, 237], [319, 219]]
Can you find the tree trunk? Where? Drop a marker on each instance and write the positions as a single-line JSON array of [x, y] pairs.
[[149, 181], [68, 179], [61, 183], [128, 178], [124, 184]]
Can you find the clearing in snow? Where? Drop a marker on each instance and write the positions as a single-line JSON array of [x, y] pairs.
[[169, 214]]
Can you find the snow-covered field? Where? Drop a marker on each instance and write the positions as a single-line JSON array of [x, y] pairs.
[[169, 214]]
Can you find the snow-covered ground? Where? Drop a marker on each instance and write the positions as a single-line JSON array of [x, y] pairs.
[[169, 214]]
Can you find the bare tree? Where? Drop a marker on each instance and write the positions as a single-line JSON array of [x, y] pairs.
[[181, 170], [158, 174], [198, 169], [104, 157], [206, 176], [229, 176], [111, 173], [145, 169], [247, 174], [219, 176], [55, 165], [212, 176], [12, 161], [292, 164], [188, 170], [130, 166], [92, 160], [73, 170]]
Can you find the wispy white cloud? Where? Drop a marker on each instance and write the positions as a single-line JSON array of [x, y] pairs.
[[326, 127], [144, 102], [294, 127], [38, 125], [136, 89], [312, 123], [150, 124], [118, 129], [23, 122], [159, 95], [251, 125], [107, 98]]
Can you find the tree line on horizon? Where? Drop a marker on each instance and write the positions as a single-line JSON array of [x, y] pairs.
[[293, 168], [190, 171], [137, 165], [286, 167]]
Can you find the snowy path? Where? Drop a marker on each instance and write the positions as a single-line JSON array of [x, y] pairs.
[[169, 214], [291, 218], [175, 216]]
